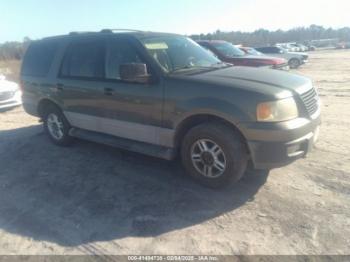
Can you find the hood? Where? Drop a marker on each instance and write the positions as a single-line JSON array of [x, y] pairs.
[[6, 86], [274, 60], [260, 60], [276, 83]]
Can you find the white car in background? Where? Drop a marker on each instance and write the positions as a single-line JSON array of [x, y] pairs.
[[10, 94], [290, 47]]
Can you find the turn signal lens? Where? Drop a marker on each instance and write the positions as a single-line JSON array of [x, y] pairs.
[[263, 111], [275, 111]]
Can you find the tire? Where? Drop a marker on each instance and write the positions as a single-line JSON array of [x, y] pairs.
[[54, 114], [233, 155], [294, 63]]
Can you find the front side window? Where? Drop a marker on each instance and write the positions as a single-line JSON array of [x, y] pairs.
[[120, 52], [84, 60], [227, 49], [174, 53]]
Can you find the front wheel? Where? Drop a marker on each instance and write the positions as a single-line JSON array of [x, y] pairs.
[[294, 63], [57, 127], [214, 154]]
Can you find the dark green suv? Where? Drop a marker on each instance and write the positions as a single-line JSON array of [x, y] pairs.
[[162, 95]]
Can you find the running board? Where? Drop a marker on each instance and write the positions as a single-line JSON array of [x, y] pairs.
[[122, 143]]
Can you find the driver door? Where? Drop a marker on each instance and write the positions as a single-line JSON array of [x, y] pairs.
[[131, 110]]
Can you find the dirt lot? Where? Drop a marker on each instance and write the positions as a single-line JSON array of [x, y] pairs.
[[92, 199]]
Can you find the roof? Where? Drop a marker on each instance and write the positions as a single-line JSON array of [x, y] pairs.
[[136, 33], [212, 41]]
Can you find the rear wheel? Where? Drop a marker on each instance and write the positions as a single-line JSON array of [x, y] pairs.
[[56, 126], [294, 63], [214, 154]]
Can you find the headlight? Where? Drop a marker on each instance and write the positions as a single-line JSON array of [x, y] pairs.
[[280, 110]]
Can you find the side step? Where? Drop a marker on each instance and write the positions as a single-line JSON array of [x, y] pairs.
[[122, 143]]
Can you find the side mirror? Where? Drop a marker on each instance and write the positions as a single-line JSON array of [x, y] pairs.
[[134, 72]]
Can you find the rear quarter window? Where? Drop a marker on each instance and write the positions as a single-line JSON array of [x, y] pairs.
[[38, 58]]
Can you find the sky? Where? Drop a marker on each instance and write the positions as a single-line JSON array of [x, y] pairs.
[[41, 18]]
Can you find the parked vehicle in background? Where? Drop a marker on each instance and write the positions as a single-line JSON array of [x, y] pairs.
[[302, 47], [250, 51], [311, 47], [294, 59], [162, 95], [10, 94], [229, 53], [290, 47], [322, 43], [343, 45]]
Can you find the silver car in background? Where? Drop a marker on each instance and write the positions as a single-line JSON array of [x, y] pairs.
[[10, 93], [295, 59]]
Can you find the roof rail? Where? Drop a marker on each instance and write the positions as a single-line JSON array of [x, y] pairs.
[[104, 31], [118, 30], [80, 32]]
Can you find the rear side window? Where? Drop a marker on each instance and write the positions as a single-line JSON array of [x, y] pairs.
[[84, 59], [38, 58]]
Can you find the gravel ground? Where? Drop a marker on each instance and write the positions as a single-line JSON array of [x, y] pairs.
[[93, 199]]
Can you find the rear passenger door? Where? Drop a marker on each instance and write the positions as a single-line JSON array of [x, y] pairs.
[[131, 110], [80, 81]]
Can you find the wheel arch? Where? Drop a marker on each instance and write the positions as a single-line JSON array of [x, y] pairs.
[[44, 104], [191, 121]]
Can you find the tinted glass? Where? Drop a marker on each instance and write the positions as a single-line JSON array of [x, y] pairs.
[[267, 49], [252, 51], [120, 52], [84, 59], [207, 48], [177, 52], [227, 49], [38, 58]]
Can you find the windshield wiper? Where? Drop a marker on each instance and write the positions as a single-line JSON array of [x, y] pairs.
[[189, 68], [224, 64], [215, 66]]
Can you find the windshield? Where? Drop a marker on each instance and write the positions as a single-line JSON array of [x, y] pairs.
[[228, 49], [252, 51], [175, 53]]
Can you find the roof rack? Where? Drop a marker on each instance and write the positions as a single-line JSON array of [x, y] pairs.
[[104, 31], [118, 30], [80, 32]]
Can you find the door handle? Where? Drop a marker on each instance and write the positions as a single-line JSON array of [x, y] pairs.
[[57, 88], [108, 91], [60, 86]]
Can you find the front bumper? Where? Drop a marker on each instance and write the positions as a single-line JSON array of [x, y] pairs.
[[16, 100], [273, 145]]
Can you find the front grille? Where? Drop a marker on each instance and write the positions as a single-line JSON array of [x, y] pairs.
[[6, 95], [310, 99]]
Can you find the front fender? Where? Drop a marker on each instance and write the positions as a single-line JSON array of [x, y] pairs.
[[210, 106]]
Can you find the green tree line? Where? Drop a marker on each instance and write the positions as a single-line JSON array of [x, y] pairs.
[[265, 37], [14, 50]]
